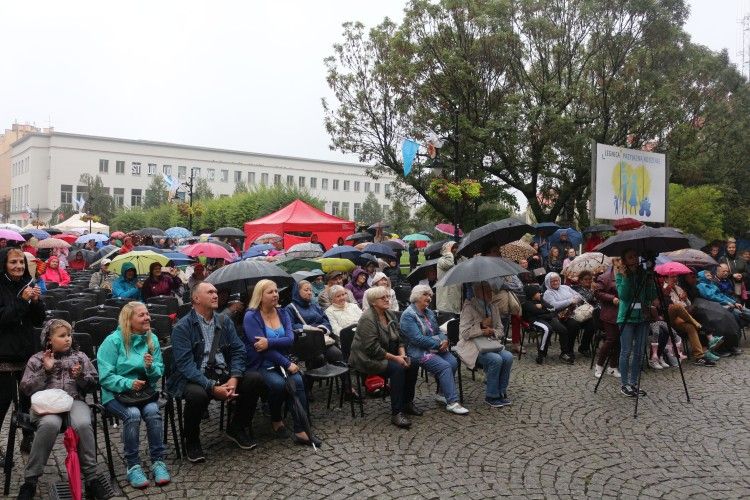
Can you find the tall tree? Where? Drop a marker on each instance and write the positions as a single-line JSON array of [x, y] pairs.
[[371, 212], [99, 202], [156, 193], [202, 190], [398, 217]]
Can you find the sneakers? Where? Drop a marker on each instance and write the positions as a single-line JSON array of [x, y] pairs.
[[671, 358], [614, 372], [27, 491], [598, 371], [456, 408], [625, 390], [641, 392], [241, 438], [567, 358], [711, 356], [496, 402], [194, 452], [715, 342], [654, 363], [704, 362], [400, 420], [439, 398], [137, 478], [161, 474], [412, 409]]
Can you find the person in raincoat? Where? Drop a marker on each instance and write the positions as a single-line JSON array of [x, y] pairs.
[[127, 285]]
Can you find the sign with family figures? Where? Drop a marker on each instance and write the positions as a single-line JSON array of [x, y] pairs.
[[629, 183]]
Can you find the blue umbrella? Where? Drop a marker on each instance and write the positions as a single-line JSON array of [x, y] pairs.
[[98, 237], [179, 259], [574, 237], [37, 233], [257, 251], [379, 250], [343, 252], [178, 232]]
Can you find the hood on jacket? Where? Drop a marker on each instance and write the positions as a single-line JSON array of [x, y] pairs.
[[127, 267], [548, 278], [531, 290], [379, 276], [356, 273], [296, 298], [25, 279], [702, 277]]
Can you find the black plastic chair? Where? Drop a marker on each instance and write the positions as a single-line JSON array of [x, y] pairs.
[[58, 314], [118, 302], [346, 337], [170, 302], [161, 325], [184, 309], [98, 327], [154, 308], [101, 310]]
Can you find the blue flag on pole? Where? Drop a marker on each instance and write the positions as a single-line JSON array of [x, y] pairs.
[[409, 151]]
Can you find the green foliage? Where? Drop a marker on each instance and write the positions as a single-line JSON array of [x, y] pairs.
[[697, 210], [371, 212], [164, 216], [129, 219], [240, 188], [202, 190], [99, 202], [156, 193], [398, 218]]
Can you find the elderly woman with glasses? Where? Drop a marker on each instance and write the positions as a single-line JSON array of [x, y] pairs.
[[429, 347], [377, 350]]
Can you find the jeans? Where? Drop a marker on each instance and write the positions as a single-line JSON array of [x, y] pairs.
[[402, 381], [632, 344], [496, 366], [277, 394], [443, 365], [131, 425]]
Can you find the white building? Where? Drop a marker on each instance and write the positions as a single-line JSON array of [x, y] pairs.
[[46, 168]]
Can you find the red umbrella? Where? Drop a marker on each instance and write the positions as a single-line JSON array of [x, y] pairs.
[[672, 269], [210, 250], [118, 234], [448, 229], [72, 465], [627, 223], [69, 238]]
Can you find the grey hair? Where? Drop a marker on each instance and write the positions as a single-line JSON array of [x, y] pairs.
[[418, 291], [374, 293], [334, 290]]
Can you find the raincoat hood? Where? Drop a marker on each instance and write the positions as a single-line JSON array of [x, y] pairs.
[[702, 277], [127, 267], [25, 279], [296, 297], [548, 278], [355, 274]]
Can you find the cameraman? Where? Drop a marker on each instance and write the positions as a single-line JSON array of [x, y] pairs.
[[209, 363]]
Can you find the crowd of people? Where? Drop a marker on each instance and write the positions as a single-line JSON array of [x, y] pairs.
[[240, 347]]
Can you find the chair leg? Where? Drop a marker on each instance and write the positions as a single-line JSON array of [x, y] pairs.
[[460, 383], [108, 447], [330, 394], [8, 465], [351, 399], [180, 430]]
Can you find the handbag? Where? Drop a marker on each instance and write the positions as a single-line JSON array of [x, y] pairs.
[[51, 401], [487, 344], [329, 340], [583, 313], [132, 397]]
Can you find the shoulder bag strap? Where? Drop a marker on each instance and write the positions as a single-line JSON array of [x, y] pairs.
[[297, 313], [217, 334]]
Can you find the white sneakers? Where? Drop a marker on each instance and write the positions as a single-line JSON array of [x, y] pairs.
[[614, 372], [456, 408], [598, 370]]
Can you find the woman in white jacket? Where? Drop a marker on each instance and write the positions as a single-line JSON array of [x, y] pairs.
[[564, 300], [380, 279], [341, 313]]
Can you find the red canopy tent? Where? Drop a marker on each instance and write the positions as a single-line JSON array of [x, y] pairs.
[[298, 216]]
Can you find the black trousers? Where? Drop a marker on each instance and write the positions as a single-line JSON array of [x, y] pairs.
[[403, 382], [249, 389], [8, 386]]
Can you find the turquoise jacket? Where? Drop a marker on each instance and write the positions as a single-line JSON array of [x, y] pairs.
[[124, 288], [626, 290], [118, 371]]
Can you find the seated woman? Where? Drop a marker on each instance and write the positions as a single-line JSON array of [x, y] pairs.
[[429, 347], [358, 285], [129, 360], [54, 273], [305, 311], [341, 313], [480, 317], [78, 263], [564, 300], [380, 279], [377, 350], [585, 288], [158, 283], [268, 340], [554, 261], [679, 307], [127, 285]]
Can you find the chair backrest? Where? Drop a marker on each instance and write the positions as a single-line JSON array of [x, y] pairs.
[[117, 301], [309, 346], [168, 360], [453, 332], [57, 314], [50, 301], [75, 307], [52, 285], [346, 337], [155, 308], [97, 327], [170, 302], [161, 325], [85, 345], [101, 294], [102, 310], [184, 309]]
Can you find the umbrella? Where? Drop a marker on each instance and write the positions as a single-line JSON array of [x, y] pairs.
[[329, 264], [574, 237], [417, 237], [396, 244], [304, 251], [695, 242], [297, 407], [626, 224], [546, 228], [433, 250], [420, 272], [448, 230], [267, 238], [380, 250], [39, 234], [294, 265], [672, 269], [517, 251], [98, 237], [72, 464], [360, 236], [210, 250], [68, 238], [52, 243], [141, 259], [257, 251], [12, 227], [496, 233], [599, 228], [379, 225], [117, 235], [366, 258], [239, 276], [479, 269], [343, 252], [361, 246], [306, 275], [226, 246], [150, 231], [645, 240], [178, 232], [228, 232], [177, 258], [9, 234], [689, 257], [589, 261], [52, 230]]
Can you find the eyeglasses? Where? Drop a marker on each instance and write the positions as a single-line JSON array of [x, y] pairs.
[[385, 297]]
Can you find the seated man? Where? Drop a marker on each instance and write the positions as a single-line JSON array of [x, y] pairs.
[[209, 363], [724, 281], [709, 290]]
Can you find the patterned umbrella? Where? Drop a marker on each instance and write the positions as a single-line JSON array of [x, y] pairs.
[[9, 234], [304, 251], [52, 243], [267, 238], [39, 234], [178, 232], [690, 257], [517, 251], [589, 261]]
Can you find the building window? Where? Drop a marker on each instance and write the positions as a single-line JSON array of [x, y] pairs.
[[313, 183], [357, 209], [196, 171], [135, 197], [118, 195], [324, 184], [135, 168], [211, 174], [345, 209], [277, 180], [181, 172], [264, 179], [66, 195], [151, 169], [346, 185], [82, 192], [119, 167], [238, 176], [356, 186], [103, 166], [225, 176], [387, 189], [335, 207], [301, 182], [335, 184], [367, 187], [251, 178], [290, 180], [167, 169], [377, 188]]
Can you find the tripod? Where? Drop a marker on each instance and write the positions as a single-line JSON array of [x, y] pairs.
[[649, 277]]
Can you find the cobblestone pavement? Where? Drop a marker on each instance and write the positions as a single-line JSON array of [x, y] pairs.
[[557, 440]]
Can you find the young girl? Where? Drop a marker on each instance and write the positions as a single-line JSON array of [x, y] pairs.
[[60, 366]]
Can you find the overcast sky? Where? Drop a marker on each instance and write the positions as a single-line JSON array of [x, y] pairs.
[[244, 75]]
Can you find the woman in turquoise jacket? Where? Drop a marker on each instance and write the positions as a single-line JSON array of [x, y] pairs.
[[130, 359], [127, 285]]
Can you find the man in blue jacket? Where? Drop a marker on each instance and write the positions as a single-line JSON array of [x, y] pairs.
[[209, 363]]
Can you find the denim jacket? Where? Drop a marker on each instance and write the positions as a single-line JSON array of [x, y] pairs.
[[419, 339]]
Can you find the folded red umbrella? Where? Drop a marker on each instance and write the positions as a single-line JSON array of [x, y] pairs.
[[627, 223], [72, 464]]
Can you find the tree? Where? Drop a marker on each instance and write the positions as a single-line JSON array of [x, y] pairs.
[[202, 190], [129, 219], [399, 217], [156, 193], [697, 210], [98, 202], [371, 212], [240, 188], [344, 214]]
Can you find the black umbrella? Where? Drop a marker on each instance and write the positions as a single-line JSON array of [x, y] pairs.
[[222, 244], [364, 259], [150, 231], [379, 250], [364, 235], [479, 269], [433, 250], [420, 272], [239, 276], [379, 225], [497, 233], [647, 241], [228, 232], [695, 242], [52, 230], [343, 252], [297, 407], [546, 228], [599, 228]]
